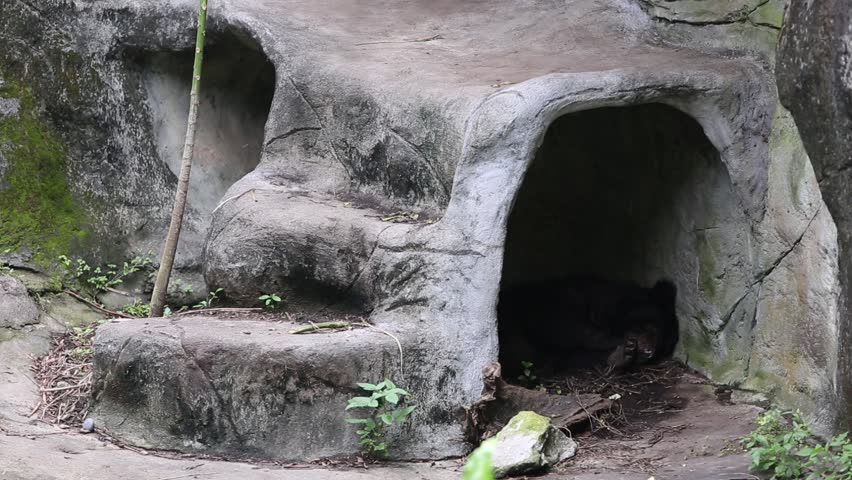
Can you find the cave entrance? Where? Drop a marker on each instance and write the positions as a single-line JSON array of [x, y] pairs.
[[601, 248], [236, 95]]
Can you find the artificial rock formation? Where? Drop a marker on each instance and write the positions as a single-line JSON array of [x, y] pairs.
[[412, 159], [815, 80]]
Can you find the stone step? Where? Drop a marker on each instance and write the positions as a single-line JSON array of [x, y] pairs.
[[248, 388]]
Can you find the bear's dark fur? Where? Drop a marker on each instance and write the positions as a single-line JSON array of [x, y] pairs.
[[557, 320]]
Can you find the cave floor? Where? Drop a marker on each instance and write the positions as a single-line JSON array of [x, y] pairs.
[[669, 423]]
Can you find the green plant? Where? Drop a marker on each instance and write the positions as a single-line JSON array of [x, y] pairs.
[[386, 406], [270, 300], [478, 465], [180, 286], [783, 446], [209, 301], [79, 275], [527, 377], [137, 309], [82, 337]]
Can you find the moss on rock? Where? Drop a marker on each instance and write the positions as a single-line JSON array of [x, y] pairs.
[[37, 208]]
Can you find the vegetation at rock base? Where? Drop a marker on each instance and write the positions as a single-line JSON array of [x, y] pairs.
[[783, 447], [38, 210], [527, 377], [270, 300], [212, 297], [80, 276], [386, 407], [478, 465]]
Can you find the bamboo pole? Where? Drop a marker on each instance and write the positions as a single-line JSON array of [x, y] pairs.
[[158, 297]]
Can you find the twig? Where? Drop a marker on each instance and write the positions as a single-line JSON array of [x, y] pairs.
[[416, 40], [120, 292], [220, 309], [34, 434], [68, 387], [313, 327], [96, 306], [398, 344], [235, 197], [190, 475]]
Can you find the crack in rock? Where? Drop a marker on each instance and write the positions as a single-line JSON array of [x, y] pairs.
[[765, 273], [291, 132], [733, 17], [321, 126], [226, 408], [426, 160]]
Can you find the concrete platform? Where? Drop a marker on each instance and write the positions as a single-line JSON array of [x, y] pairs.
[[248, 388]]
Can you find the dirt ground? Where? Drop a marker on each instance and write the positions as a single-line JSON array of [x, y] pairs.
[[669, 424], [676, 429]]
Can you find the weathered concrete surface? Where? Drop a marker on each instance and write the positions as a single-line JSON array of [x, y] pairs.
[[66, 457], [16, 307], [439, 108], [815, 80], [248, 388]]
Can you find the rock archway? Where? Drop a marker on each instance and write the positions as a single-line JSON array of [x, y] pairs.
[[615, 199]]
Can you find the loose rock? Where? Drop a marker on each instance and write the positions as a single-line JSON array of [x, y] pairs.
[[88, 426], [528, 443], [16, 307]]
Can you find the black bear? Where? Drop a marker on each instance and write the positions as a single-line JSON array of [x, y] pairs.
[[581, 318]]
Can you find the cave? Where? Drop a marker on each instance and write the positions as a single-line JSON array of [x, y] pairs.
[[606, 235], [237, 86]]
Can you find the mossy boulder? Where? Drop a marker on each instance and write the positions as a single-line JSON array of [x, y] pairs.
[[528, 443]]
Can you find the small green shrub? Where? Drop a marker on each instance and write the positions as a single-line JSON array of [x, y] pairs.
[[478, 466], [80, 276], [386, 406], [270, 300], [137, 309], [784, 447], [180, 286], [527, 377], [212, 297], [82, 338]]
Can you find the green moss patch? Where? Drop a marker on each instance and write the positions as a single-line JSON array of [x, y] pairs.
[[37, 209]]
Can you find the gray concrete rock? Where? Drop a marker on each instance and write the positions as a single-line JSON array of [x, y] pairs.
[[245, 388], [529, 443], [16, 307], [67, 312], [814, 81]]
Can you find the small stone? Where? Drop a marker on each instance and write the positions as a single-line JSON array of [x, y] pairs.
[[88, 426], [529, 442], [16, 307]]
